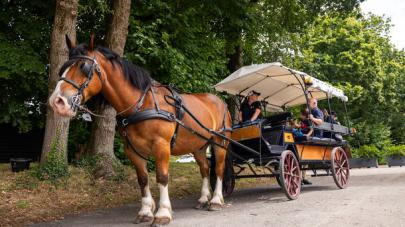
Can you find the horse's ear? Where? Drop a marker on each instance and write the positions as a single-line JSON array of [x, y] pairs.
[[69, 42], [91, 43]]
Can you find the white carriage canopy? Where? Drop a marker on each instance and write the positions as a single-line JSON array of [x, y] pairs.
[[279, 85]]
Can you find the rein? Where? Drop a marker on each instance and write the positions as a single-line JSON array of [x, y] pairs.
[[136, 116]]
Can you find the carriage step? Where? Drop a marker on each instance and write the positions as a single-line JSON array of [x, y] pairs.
[[321, 175]]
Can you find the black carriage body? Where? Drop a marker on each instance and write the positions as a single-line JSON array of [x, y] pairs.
[[269, 144]]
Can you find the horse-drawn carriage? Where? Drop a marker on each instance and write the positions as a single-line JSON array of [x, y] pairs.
[[156, 121], [269, 142]]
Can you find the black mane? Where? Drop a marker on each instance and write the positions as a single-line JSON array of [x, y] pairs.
[[139, 77]]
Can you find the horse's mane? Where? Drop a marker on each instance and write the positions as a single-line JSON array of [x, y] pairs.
[[139, 77]]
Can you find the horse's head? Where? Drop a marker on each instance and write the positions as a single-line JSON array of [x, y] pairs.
[[80, 78]]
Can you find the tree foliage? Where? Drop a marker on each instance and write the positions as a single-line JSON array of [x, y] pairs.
[[354, 53], [189, 44], [24, 45]]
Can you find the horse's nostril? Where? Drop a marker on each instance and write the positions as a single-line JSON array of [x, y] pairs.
[[59, 102]]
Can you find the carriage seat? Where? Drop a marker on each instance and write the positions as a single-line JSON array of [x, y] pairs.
[[322, 141], [333, 128], [247, 123], [278, 119], [317, 140]]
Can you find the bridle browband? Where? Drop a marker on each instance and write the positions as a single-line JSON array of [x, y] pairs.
[[88, 70]]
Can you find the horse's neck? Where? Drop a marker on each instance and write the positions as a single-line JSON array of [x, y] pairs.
[[119, 92]]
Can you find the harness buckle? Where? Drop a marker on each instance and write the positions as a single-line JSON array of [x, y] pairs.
[[124, 122]]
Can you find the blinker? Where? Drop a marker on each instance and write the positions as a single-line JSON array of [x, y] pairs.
[[86, 68]]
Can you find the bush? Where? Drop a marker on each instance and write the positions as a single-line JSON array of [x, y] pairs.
[[377, 134], [119, 170], [119, 150], [88, 162], [367, 151], [397, 151], [56, 165]]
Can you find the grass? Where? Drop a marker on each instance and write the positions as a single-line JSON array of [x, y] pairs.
[[25, 200]]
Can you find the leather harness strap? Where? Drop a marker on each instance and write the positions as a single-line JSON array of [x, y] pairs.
[[155, 113], [178, 102], [174, 100]]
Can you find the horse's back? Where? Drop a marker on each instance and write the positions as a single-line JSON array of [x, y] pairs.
[[208, 108]]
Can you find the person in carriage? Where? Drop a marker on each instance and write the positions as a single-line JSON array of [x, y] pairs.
[[250, 109], [303, 129], [316, 116]]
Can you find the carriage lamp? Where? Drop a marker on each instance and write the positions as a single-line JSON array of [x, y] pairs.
[[308, 80]]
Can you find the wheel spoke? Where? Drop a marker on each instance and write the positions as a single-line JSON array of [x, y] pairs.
[[295, 182], [344, 180], [288, 162], [339, 178], [292, 188], [344, 163]]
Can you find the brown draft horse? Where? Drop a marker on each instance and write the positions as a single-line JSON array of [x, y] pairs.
[[91, 71]]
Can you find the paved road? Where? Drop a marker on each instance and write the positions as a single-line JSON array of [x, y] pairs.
[[375, 197]]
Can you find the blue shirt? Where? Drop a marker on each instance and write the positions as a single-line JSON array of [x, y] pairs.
[[317, 113]]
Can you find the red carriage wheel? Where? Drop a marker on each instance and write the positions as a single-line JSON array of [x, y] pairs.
[[340, 167], [290, 174]]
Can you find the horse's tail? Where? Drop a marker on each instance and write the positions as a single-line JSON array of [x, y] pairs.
[[227, 120]]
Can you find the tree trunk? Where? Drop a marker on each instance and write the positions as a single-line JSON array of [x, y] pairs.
[[57, 128], [234, 53], [103, 129], [235, 58]]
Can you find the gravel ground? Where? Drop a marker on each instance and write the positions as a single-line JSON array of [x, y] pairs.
[[375, 197]]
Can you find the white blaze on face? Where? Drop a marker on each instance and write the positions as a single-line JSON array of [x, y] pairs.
[[58, 102], [57, 91]]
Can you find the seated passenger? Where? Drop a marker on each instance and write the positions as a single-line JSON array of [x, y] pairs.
[[334, 119], [330, 118], [303, 129], [316, 116], [250, 109], [326, 116]]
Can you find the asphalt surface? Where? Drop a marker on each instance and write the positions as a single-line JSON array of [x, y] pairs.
[[375, 197]]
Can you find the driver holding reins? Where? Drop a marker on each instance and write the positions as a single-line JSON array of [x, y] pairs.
[[250, 109]]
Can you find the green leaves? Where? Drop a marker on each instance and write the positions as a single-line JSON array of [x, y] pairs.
[[354, 53], [177, 44]]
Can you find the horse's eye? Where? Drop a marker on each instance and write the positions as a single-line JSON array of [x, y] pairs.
[[86, 67]]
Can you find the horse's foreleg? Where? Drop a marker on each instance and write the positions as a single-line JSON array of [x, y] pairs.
[[217, 198], [162, 154], [145, 214], [201, 158]]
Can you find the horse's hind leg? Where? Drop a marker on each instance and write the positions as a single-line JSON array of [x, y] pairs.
[[201, 158], [145, 214], [217, 198], [162, 154]]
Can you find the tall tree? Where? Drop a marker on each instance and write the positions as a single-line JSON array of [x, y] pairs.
[[103, 129], [24, 49], [57, 128]]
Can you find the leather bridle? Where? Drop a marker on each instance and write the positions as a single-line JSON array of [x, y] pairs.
[[88, 70]]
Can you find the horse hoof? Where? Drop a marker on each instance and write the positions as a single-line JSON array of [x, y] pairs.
[[215, 207], [201, 206], [142, 219], [160, 221]]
